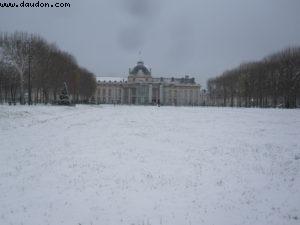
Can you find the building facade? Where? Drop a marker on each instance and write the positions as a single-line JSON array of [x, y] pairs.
[[142, 89]]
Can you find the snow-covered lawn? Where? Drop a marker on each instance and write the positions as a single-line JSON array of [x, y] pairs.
[[149, 165]]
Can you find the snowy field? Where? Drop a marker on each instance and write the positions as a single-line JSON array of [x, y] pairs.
[[90, 165]]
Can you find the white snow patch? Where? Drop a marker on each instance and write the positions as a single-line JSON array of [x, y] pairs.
[[149, 165]]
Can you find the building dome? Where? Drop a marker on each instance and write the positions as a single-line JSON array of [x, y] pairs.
[[140, 69]]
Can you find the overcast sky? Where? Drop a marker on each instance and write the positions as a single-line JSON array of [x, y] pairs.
[[201, 38]]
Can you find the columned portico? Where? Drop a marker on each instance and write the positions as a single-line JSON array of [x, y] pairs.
[[161, 94], [150, 94], [122, 96], [129, 96]]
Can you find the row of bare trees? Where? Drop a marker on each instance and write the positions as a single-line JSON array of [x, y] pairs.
[[34, 71], [271, 82]]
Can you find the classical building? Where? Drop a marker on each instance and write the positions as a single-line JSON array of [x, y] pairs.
[[142, 89]]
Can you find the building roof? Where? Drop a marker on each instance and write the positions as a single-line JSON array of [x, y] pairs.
[[140, 68], [112, 79]]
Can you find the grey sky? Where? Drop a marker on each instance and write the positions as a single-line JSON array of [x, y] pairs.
[[201, 38]]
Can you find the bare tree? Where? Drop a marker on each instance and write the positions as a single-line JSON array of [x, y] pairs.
[[49, 69], [271, 82], [14, 48]]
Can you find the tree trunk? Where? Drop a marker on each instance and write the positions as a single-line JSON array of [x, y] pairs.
[[22, 100]]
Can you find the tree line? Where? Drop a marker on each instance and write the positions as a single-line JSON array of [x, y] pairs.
[[273, 81], [34, 71]]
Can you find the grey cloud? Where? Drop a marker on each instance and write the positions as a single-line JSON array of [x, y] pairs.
[[141, 8], [131, 38], [133, 35]]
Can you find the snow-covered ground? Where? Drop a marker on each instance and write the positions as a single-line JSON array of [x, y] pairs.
[[133, 165]]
